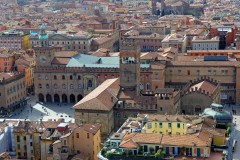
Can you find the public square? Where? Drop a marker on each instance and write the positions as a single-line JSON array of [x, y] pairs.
[[36, 111]]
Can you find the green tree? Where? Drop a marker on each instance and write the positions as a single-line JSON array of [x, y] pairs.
[[160, 154], [228, 131]]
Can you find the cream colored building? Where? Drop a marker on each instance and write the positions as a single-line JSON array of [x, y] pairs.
[[12, 91], [202, 43], [175, 40]]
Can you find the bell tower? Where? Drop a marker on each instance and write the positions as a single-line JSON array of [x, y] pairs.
[[44, 52], [130, 65]]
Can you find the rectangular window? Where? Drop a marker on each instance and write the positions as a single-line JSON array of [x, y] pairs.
[[77, 135], [169, 125], [18, 139], [160, 125], [149, 125], [209, 72], [178, 125], [188, 72], [87, 135]]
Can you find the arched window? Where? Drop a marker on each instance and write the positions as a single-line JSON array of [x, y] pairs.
[[46, 77], [71, 86], [39, 77], [63, 77], [64, 86], [39, 85], [90, 83], [71, 77], [55, 86], [47, 86], [141, 87], [54, 77]]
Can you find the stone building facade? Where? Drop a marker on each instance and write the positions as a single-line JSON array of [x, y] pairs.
[[12, 92], [69, 42]]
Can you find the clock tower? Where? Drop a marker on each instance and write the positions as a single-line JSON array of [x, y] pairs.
[[130, 65], [44, 52]]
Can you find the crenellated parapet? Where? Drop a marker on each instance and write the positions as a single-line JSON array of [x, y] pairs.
[[129, 45], [193, 87]]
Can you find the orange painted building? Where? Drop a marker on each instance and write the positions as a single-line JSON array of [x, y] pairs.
[[26, 64], [6, 61]]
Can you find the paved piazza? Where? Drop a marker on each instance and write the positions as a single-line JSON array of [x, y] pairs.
[[44, 111]]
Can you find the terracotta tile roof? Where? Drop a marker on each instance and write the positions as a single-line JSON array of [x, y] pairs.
[[205, 85], [209, 122], [216, 131], [128, 136], [60, 61], [151, 56], [126, 94], [24, 127], [92, 128], [101, 98], [185, 140], [149, 138], [102, 40], [68, 54], [128, 144]]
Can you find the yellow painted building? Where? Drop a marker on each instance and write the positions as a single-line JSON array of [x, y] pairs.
[[121, 10], [23, 138], [25, 42], [37, 145], [218, 136], [167, 124]]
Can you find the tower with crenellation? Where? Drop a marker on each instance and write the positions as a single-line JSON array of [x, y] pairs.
[[130, 65]]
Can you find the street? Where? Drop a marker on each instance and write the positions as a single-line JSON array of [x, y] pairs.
[[236, 119]]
